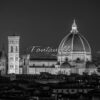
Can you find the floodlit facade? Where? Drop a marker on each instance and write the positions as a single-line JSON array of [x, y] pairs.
[[13, 54]]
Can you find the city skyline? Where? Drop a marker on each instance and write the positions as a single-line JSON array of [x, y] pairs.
[[49, 50], [45, 23]]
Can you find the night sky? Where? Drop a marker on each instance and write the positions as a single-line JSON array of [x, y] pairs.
[[47, 22]]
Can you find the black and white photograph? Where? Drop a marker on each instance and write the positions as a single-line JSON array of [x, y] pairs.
[[49, 50]]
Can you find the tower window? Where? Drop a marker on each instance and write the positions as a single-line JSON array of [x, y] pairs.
[[11, 58], [16, 49], [11, 48], [16, 58], [11, 66], [16, 67]]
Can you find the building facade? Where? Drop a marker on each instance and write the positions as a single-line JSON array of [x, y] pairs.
[[13, 54]]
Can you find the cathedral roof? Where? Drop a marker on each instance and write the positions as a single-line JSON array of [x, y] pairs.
[[74, 42]]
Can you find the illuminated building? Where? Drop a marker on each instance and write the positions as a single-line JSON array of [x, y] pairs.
[[13, 54], [74, 47], [73, 54], [75, 50]]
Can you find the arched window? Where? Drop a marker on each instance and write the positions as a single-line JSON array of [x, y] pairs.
[[78, 60], [66, 60]]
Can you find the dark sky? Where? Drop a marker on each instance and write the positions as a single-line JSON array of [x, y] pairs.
[[47, 22]]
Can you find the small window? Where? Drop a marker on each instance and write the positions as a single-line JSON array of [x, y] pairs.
[[66, 59], [11, 48], [11, 66], [78, 60], [16, 58], [11, 58], [16, 67], [16, 49]]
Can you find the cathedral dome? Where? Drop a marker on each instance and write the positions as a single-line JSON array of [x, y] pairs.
[[74, 46]]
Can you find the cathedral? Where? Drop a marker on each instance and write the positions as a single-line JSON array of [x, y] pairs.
[[73, 54], [74, 47]]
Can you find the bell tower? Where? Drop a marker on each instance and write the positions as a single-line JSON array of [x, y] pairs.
[[13, 54]]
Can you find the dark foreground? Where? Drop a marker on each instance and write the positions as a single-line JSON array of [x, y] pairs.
[[49, 87]]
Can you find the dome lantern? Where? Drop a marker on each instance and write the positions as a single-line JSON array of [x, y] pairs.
[[74, 28]]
